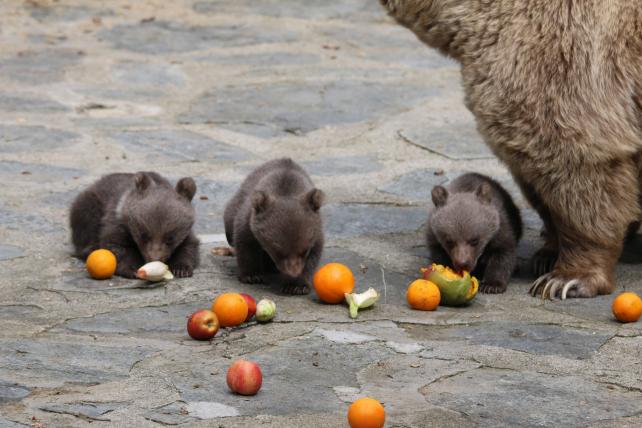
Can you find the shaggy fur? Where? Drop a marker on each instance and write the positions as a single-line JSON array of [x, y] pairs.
[[140, 218], [475, 227], [273, 223], [556, 88]]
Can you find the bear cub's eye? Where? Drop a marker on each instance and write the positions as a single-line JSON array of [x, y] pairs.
[[473, 242]]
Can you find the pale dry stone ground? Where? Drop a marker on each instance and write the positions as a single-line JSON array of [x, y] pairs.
[[211, 89]]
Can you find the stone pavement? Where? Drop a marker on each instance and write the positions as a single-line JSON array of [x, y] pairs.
[[211, 89]]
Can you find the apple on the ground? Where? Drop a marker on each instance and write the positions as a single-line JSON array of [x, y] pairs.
[[202, 325], [244, 377], [251, 306]]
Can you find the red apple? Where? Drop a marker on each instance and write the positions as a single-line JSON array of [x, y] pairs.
[[202, 325], [251, 306], [244, 377]]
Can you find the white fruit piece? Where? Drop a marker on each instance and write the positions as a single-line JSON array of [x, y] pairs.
[[363, 300], [265, 310], [154, 271]]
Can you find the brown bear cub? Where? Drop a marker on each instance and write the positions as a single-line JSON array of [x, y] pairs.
[[274, 225], [556, 90], [140, 218], [475, 227]]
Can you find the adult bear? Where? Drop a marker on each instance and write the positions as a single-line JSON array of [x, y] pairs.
[[556, 88]]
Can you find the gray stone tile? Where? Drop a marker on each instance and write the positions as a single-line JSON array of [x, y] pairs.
[[291, 374], [263, 59], [8, 312], [78, 280], [93, 411], [117, 99], [40, 67], [311, 9], [158, 37], [52, 13], [597, 308], [137, 321], [6, 423], [499, 398], [115, 123], [47, 360], [8, 252], [416, 185], [171, 414], [531, 220], [345, 165], [27, 222], [292, 107], [542, 339], [209, 212], [27, 138], [344, 220], [12, 392], [28, 103], [148, 74], [61, 199], [179, 145], [454, 140], [368, 273], [37, 172]]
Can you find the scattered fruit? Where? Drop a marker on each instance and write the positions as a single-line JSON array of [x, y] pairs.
[[244, 377], [202, 325], [366, 413], [456, 290], [363, 300], [265, 310], [251, 306], [101, 264], [423, 295], [332, 282], [154, 271], [230, 309], [627, 307]]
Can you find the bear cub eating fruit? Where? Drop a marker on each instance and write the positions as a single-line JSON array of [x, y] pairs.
[[140, 218], [274, 225], [475, 227]]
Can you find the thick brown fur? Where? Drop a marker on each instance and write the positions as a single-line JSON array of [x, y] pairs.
[[556, 88], [475, 226], [140, 218], [274, 224]]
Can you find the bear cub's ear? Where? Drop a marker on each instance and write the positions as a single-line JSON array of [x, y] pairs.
[[186, 187], [439, 196], [142, 181], [484, 193], [314, 199], [260, 201]]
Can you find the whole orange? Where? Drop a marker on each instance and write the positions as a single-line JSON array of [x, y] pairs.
[[101, 264], [627, 307], [332, 281], [366, 413], [230, 309], [423, 295]]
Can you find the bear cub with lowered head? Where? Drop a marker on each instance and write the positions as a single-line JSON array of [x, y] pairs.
[[475, 227], [274, 225], [140, 218]]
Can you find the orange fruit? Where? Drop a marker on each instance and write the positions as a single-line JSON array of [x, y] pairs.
[[101, 264], [627, 307], [332, 281], [230, 309], [366, 413], [423, 295]]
